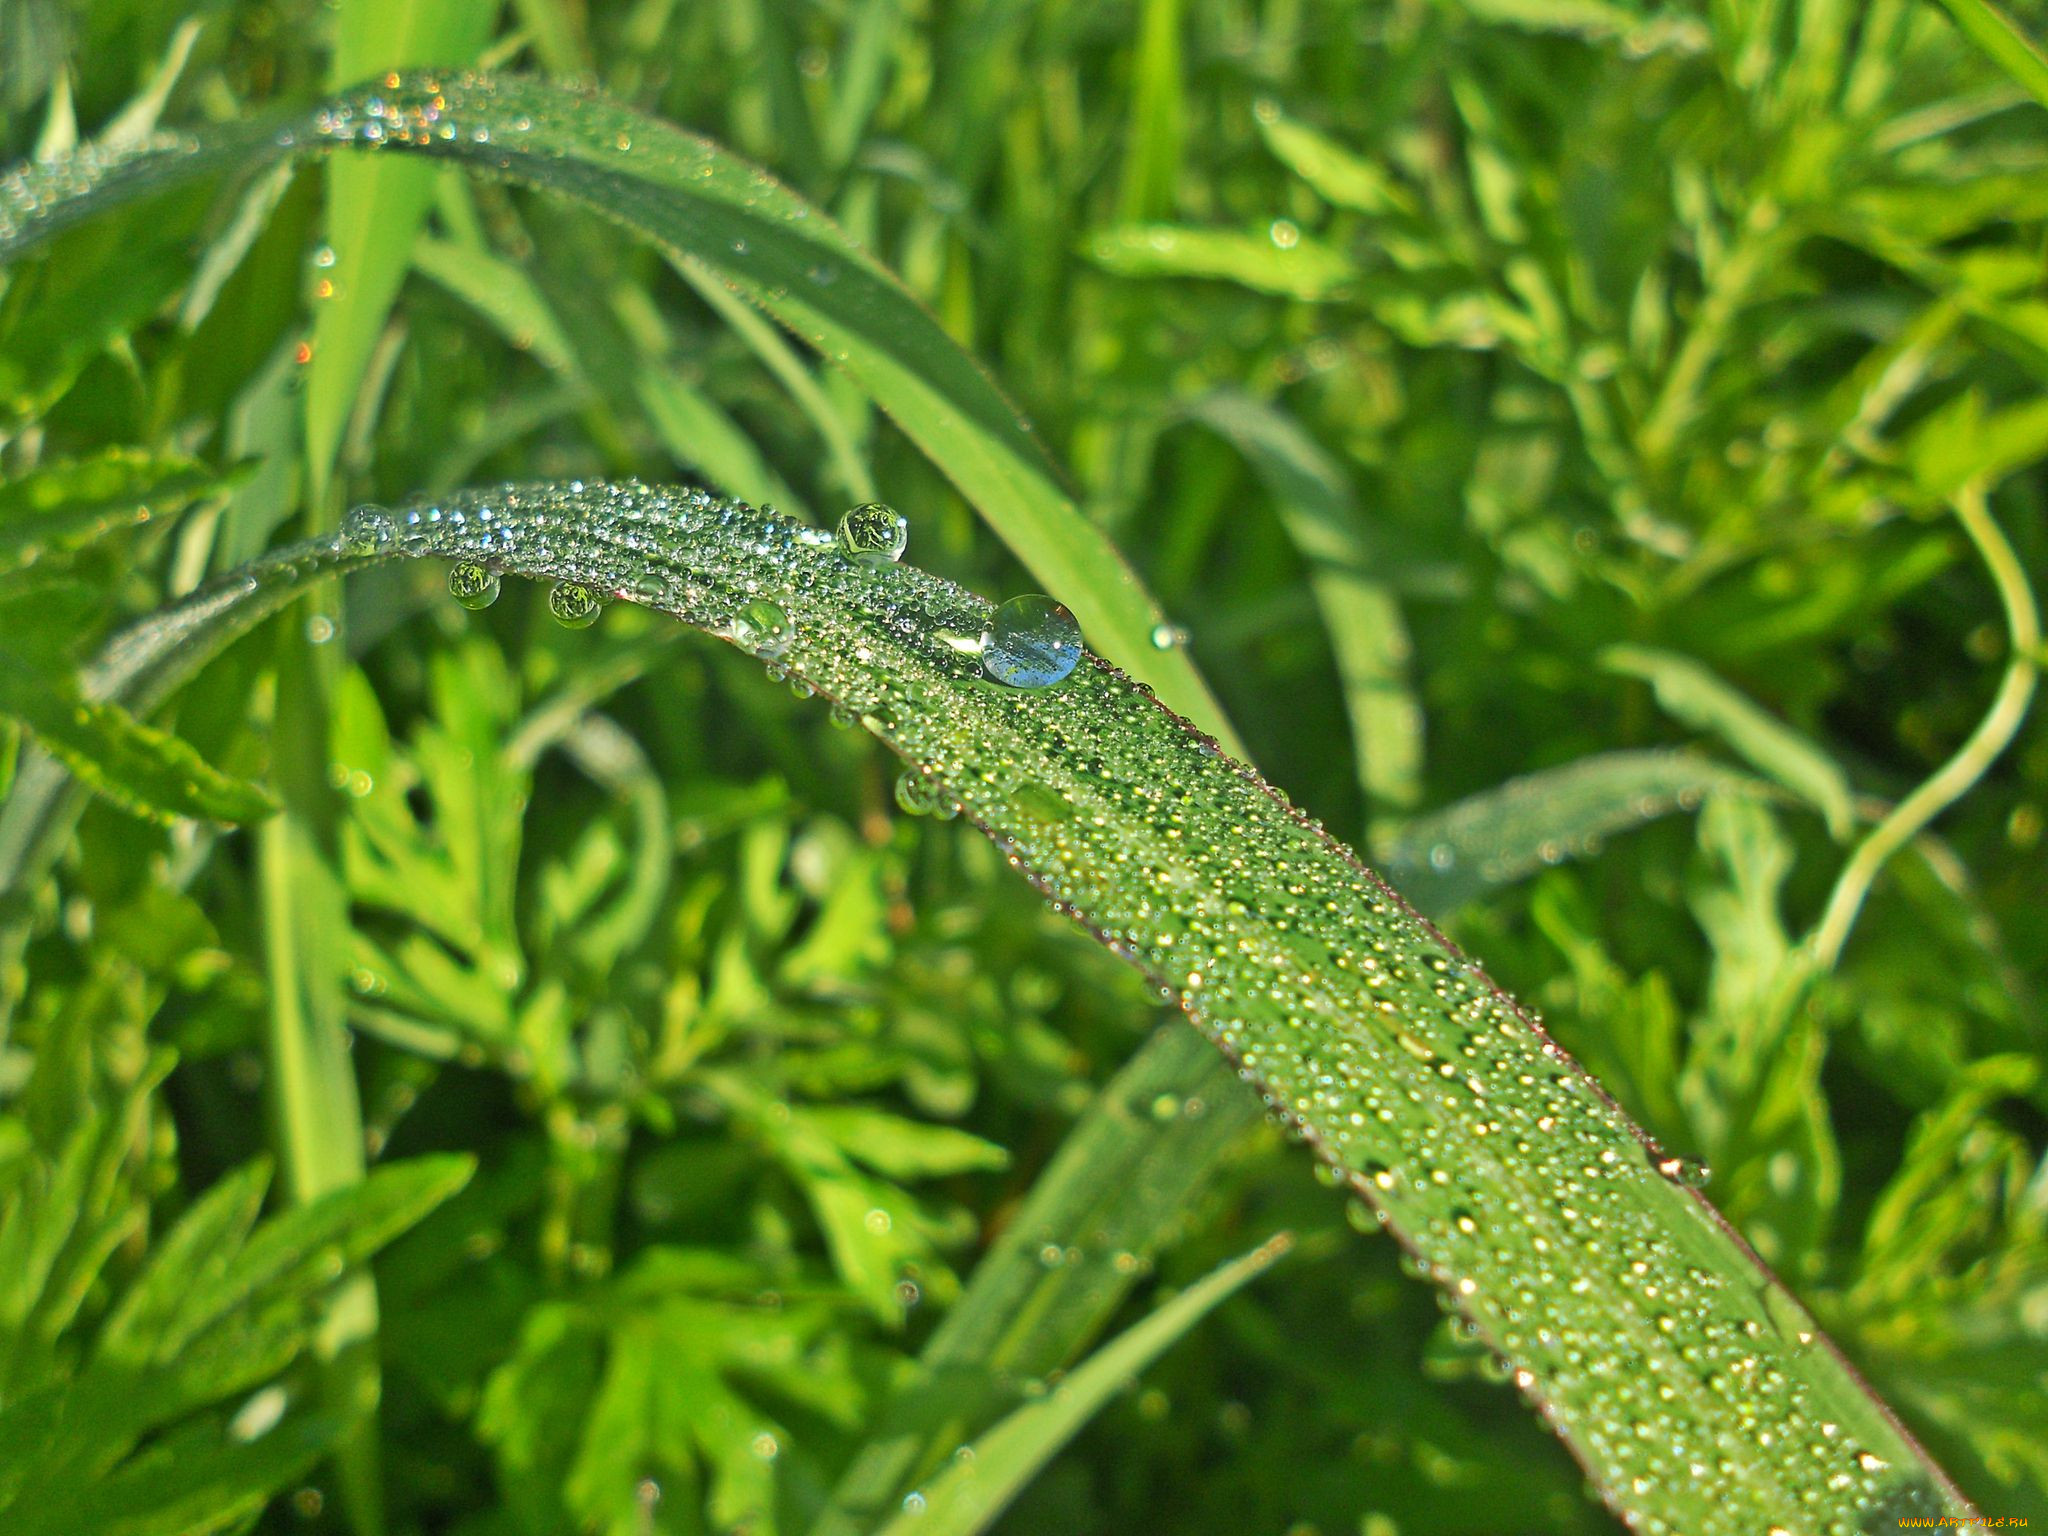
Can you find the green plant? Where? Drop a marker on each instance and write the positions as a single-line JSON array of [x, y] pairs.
[[1151, 836]]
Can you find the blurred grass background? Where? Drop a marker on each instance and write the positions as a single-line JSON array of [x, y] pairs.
[[1485, 387]]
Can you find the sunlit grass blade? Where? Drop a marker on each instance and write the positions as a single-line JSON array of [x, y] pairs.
[[975, 1489], [696, 200], [1688, 1382], [1297, 266], [2004, 42], [374, 209]]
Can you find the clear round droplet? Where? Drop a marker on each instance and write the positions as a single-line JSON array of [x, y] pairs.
[[763, 628], [473, 584], [874, 533], [574, 605], [1033, 642], [845, 716], [368, 529], [918, 793]]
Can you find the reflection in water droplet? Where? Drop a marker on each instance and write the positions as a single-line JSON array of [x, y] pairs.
[[763, 628], [918, 793], [874, 532], [368, 529], [1032, 643], [574, 605], [472, 584]]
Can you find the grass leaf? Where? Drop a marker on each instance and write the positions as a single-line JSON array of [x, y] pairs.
[[1485, 1148], [1693, 694], [697, 200], [973, 1491]]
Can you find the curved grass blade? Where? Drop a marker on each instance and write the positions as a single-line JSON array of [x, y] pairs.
[[973, 1491], [1444, 859], [694, 200], [2004, 42], [1690, 1384], [1690, 692], [1113, 1193]]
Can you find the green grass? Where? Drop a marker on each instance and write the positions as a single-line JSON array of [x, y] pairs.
[[1500, 396]]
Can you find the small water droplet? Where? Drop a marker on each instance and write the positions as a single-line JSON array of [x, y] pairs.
[[845, 716], [472, 584], [763, 628], [368, 529], [874, 532], [918, 793], [1033, 642], [1689, 1171], [574, 605], [1170, 637]]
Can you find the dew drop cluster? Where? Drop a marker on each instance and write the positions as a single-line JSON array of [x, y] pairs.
[[1580, 1255]]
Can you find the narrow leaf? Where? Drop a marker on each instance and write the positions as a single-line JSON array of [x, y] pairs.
[[1592, 1267], [1694, 695], [2004, 43], [1368, 635], [1444, 859], [56, 505], [137, 766], [694, 199], [972, 1492], [1282, 261]]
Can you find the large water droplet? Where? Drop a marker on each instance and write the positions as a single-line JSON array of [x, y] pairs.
[[874, 532], [472, 584], [763, 628], [1033, 642], [574, 605]]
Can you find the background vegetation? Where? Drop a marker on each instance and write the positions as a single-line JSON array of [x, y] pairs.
[[1487, 387]]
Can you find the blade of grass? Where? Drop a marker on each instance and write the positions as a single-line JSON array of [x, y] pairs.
[[374, 208], [1444, 859], [1121, 1181], [693, 198], [1368, 636], [974, 1490], [1694, 695], [1683, 1376], [2004, 43], [1687, 1381]]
